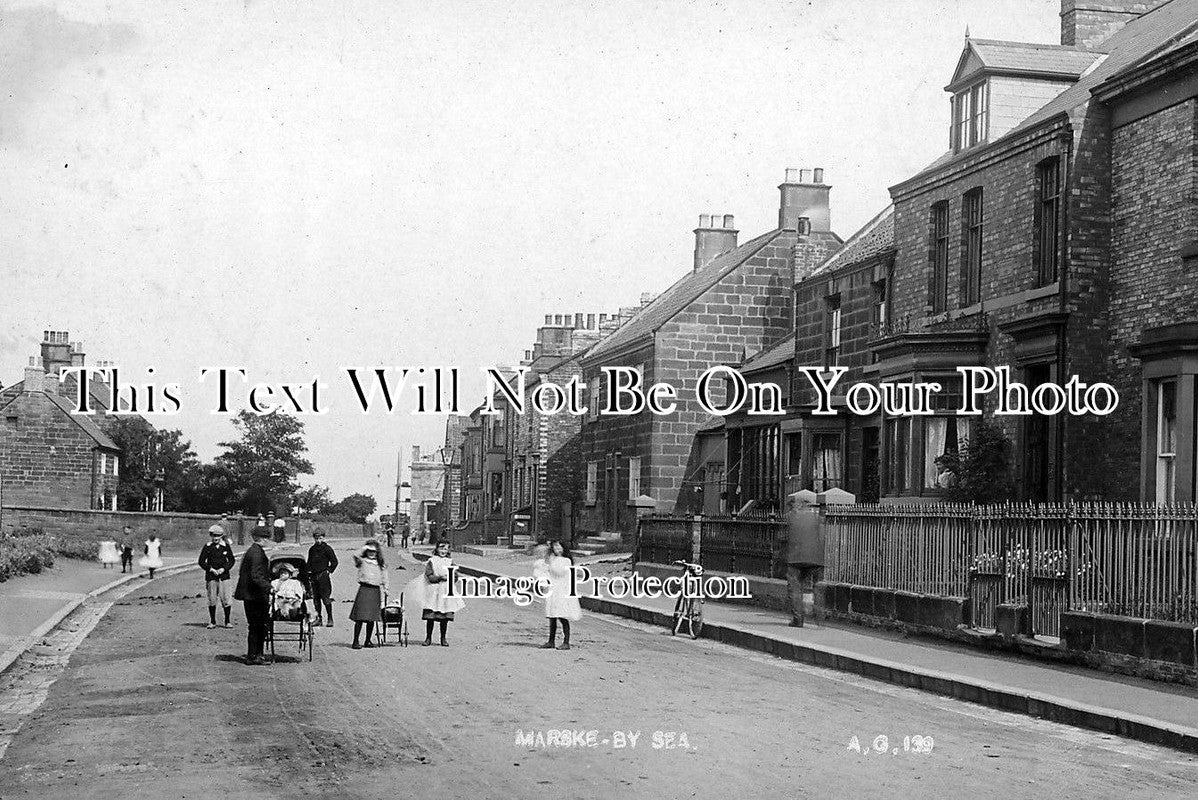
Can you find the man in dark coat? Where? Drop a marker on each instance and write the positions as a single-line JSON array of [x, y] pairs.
[[216, 559], [804, 553], [322, 563], [253, 590]]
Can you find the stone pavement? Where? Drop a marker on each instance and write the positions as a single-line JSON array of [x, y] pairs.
[[1132, 707], [35, 603]]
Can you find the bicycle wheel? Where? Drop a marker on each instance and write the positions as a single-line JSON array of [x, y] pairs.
[[678, 616], [696, 625]]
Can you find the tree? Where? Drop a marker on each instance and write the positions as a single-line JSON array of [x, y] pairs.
[[149, 456], [981, 470], [356, 507], [313, 500], [264, 462]]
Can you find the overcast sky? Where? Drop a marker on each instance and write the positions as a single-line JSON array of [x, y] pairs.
[[298, 187]]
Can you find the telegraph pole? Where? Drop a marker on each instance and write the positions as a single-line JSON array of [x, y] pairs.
[[399, 480]]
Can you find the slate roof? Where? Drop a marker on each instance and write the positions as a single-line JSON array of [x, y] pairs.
[[94, 433], [1165, 28], [1029, 57], [686, 290], [779, 353], [874, 238]]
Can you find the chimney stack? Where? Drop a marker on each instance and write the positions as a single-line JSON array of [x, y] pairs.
[[804, 194], [56, 351], [715, 236], [1089, 23], [35, 377]]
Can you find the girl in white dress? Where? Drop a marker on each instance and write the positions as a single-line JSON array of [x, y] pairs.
[[560, 604], [152, 559], [109, 554], [430, 591]]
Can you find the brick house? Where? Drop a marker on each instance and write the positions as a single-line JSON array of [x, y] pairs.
[[544, 467], [428, 472], [1043, 239], [50, 457], [733, 301], [837, 306], [58, 352]]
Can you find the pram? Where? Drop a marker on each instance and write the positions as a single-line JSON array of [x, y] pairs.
[[302, 630], [393, 618]]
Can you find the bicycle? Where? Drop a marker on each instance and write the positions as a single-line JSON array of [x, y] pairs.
[[689, 608]]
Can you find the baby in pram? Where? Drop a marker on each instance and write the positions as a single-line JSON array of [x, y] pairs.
[[288, 594]]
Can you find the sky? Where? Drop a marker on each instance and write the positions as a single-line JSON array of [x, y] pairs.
[[294, 188]]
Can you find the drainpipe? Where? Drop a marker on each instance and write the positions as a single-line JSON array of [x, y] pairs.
[[1063, 337]]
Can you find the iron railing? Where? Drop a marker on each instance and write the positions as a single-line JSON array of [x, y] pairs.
[[749, 544], [1130, 559]]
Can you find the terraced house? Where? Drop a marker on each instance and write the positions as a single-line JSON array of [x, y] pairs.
[[1054, 229], [734, 301]]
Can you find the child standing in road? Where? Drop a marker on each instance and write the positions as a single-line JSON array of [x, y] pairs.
[[152, 559], [430, 590], [372, 582], [561, 606]]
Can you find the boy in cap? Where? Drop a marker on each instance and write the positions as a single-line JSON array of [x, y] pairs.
[[322, 562], [216, 559]]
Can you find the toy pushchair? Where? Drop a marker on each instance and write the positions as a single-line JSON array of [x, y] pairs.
[[393, 619], [296, 627]]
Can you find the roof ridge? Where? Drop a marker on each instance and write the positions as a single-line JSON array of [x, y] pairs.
[[1017, 43], [750, 248]]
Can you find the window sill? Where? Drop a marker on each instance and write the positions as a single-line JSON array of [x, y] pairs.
[[590, 503]]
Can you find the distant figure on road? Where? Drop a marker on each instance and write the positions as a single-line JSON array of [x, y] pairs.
[[280, 530], [216, 559], [430, 591], [372, 582], [389, 528], [109, 554], [322, 563], [560, 605], [127, 549], [404, 534], [152, 554], [253, 590]]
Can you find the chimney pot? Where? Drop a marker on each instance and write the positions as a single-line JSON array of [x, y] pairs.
[[590, 322], [548, 319], [819, 175], [804, 176], [705, 220], [578, 318], [729, 222], [792, 175]]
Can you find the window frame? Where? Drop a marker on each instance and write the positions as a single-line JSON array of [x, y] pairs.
[[634, 477], [1047, 221], [592, 483], [1166, 459], [973, 233], [970, 116], [938, 244], [833, 329]]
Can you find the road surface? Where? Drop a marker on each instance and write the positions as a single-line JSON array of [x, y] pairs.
[[153, 705]]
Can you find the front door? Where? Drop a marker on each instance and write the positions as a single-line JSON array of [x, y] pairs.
[[1037, 437]]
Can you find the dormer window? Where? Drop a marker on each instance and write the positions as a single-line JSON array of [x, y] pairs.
[[971, 116]]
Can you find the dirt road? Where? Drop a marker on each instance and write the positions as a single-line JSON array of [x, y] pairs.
[[153, 705]]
